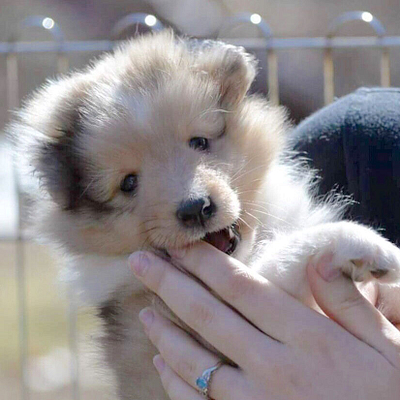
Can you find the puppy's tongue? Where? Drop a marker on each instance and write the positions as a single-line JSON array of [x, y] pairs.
[[225, 240]]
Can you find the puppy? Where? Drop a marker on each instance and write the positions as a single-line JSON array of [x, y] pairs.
[[158, 146]]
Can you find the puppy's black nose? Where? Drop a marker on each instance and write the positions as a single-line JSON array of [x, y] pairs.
[[196, 212]]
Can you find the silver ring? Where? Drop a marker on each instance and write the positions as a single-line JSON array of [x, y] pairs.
[[204, 380]]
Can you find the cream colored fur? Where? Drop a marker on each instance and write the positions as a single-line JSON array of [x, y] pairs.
[[135, 111]]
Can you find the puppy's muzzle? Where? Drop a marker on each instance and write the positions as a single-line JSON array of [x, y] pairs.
[[195, 213]]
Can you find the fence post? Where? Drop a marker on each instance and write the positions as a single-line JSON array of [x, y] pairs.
[[148, 20], [13, 103], [272, 58], [329, 84]]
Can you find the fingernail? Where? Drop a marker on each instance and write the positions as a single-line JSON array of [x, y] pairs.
[[139, 262], [178, 253], [327, 271], [159, 363], [146, 317]]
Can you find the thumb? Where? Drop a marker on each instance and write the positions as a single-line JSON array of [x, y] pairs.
[[340, 300]]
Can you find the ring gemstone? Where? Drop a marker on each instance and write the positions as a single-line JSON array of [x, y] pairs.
[[201, 383]]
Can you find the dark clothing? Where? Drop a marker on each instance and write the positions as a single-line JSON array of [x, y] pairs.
[[355, 144]]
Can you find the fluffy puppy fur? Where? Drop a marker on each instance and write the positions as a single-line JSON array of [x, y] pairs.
[[121, 147]]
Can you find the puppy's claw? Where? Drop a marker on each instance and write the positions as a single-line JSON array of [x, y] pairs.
[[379, 273], [363, 254], [358, 263]]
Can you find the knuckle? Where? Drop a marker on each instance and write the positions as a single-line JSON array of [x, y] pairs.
[[281, 373], [160, 334], [165, 350], [349, 303], [155, 336], [315, 341], [172, 386], [159, 278], [195, 260], [168, 385], [201, 314], [174, 391], [161, 338], [239, 285], [185, 368], [325, 348], [258, 359]]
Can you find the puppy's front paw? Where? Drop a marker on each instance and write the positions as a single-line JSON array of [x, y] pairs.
[[361, 253]]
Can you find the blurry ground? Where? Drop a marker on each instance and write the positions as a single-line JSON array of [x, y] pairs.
[[49, 375]]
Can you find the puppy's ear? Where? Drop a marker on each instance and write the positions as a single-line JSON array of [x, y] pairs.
[[44, 133], [231, 66]]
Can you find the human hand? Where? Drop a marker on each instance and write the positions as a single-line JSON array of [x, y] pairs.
[[288, 351]]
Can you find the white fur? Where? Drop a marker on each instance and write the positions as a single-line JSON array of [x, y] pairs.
[[95, 279]]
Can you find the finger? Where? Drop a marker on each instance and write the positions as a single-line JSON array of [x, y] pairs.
[[341, 301], [218, 324], [386, 298], [258, 299], [388, 302], [186, 357], [176, 388], [369, 290]]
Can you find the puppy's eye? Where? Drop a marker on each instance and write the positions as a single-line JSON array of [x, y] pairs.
[[129, 183], [199, 143]]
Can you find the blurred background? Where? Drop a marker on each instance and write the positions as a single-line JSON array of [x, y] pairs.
[[46, 348]]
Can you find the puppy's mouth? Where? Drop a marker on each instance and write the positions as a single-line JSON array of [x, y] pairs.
[[225, 240]]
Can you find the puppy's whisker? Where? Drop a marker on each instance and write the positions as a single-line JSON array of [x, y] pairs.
[[263, 212], [247, 173], [251, 215], [242, 220], [149, 206], [260, 204], [241, 169], [87, 187], [219, 164], [271, 216], [249, 191], [254, 205], [147, 221], [148, 231], [163, 71], [246, 163], [210, 111], [248, 183], [221, 110]]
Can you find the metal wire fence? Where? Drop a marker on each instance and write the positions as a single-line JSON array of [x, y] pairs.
[[63, 49]]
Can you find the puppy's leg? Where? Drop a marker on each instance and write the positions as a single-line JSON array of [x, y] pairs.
[[359, 252], [128, 351]]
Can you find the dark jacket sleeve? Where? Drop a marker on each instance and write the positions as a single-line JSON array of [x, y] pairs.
[[354, 143]]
